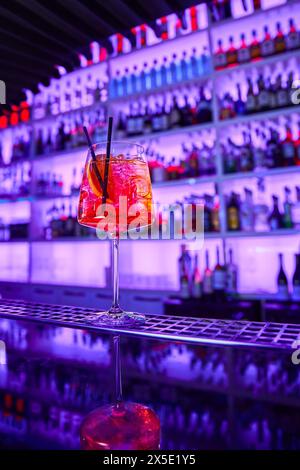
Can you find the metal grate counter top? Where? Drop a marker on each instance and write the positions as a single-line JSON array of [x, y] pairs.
[[202, 331]]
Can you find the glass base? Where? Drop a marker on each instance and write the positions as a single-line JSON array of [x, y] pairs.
[[123, 426], [119, 319]]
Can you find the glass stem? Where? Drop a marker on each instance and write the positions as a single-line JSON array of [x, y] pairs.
[[115, 308], [118, 369]]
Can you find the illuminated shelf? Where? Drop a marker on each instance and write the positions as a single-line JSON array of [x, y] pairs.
[[185, 181], [53, 117], [122, 240], [261, 116], [17, 199], [54, 196], [172, 132], [271, 233], [21, 240], [161, 89], [60, 153], [258, 63], [261, 173]]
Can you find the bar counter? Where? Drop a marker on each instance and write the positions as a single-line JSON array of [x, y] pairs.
[[215, 384], [202, 331]]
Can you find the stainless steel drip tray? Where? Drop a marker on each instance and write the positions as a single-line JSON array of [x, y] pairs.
[[202, 331]]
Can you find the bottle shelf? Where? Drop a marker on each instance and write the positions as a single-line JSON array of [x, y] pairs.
[[16, 199], [54, 196], [82, 109], [162, 89], [21, 240], [263, 115], [261, 173], [60, 153], [186, 181], [285, 56], [270, 233]]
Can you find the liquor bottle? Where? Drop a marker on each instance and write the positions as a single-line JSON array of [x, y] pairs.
[[287, 220], [296, 209], [55, 101], [196, 280], [121, 126], [175, 114], [135, 82], [255, 50], [240, 105], [219, 277], [261, 209], [251, 101], [164, 72], [130, 121], [233, 213], [231, 276], [267, 44], [247, 212], [69, 225], [78, 94], [263, 98], [279, 41], [297, 147], [275, 217], [220, 57], [154, 83], [282, 94], [293, 36], [174, 69], [258, 151], [296, 279], [215, 212], [184, 67], [273, 151], [231, 53], [203, 109], [288, 148], [207, 276], [246, 160], [39, 144], [145, 78], [282, 282], [184, 263], [243, 54]]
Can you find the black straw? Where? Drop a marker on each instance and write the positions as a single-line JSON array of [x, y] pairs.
[[94, 158], [108, 147]]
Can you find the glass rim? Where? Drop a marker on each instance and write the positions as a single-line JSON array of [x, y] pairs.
[[121, 142]]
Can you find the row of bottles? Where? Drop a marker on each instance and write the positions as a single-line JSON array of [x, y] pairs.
[[47, 184], [253, 49], [145, 119], [158, 75], [244, 214], [69, 133], [15, 181], [61, 221], [17, 229], [73, 96], [194, 161], [262, 147], [268, 94], [283, 292], [217, 282]]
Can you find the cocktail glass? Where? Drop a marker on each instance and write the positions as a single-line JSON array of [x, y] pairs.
[[116, 200]]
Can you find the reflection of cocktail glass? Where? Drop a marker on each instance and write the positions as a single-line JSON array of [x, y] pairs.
[[122, 425], [118, 207]]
